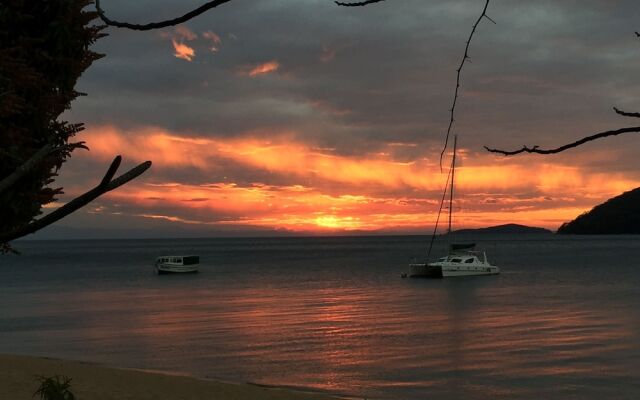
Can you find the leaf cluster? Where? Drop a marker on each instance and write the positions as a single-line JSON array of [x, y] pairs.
[[54, 388]]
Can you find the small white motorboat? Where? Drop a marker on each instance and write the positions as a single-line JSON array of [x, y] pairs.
[[177, 264]]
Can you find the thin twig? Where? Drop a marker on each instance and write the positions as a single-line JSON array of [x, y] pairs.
[[626, 114], [465, 57], [191, 14], [105, 185], [538, 150], [358, 4], [162, 24]]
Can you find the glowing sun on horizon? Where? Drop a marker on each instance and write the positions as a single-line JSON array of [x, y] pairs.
[[334, 222]]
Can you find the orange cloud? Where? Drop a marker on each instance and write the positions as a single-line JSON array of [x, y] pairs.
[[181, 34], [214, 38], [183, 51], [331, 192], [304, 209], [294, 208], [260, 69], [281, 155]]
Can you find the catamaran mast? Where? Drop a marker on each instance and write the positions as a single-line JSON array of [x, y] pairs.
[[444, 197], [453, 174]]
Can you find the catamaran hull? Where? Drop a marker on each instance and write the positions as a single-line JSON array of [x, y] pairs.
[[172, 269], [446, 271], [424, 271], [451, 271]]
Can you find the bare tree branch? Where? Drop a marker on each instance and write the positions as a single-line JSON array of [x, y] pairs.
[[32, 162], [105, 185], [6, 182], [538, 150], [162, 24], [358, 4], [190, 15], [465, 57], [626, 114]]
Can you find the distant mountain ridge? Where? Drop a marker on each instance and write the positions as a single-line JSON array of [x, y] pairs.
[[618, 215], [505, 229]]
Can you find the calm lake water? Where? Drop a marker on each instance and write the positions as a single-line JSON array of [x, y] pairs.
[[561, 322]]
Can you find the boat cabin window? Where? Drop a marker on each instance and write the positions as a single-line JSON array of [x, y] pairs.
[[443, 259], [181, 260], [456, 260], [190, 260], [469, 260]]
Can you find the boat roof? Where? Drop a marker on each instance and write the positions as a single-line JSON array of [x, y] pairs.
[[461, 246], [465, 253]]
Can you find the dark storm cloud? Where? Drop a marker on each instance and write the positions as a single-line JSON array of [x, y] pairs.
[[389, 76]]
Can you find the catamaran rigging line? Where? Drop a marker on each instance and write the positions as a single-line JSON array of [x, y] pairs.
[[450, 176], [461, 259]]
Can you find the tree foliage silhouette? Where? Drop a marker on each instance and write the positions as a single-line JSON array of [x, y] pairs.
[[44, 49]]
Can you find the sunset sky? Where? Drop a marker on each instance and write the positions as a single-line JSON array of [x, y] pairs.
[[303, 117]]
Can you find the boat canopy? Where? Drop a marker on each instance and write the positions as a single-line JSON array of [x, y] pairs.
[[461, 246]]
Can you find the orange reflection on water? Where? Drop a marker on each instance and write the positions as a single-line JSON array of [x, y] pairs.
[[536, 342], [332, 336]]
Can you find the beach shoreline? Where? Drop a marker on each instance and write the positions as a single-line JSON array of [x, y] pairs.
[[18, 380]]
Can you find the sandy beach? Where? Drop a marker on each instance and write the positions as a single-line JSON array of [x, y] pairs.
[[94, 382]]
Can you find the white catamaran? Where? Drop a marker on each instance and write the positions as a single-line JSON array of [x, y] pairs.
[[462, 260]]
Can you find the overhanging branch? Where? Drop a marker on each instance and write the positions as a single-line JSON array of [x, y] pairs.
[[190, 15], [538, 150], [162, 24], [358, 4], [626, 114], [105, 185], [465, 57]]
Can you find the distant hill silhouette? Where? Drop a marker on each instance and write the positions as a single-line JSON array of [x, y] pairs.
[[505, 229], [619, 215]]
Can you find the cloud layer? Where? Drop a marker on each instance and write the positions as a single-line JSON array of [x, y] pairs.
[[306, 116]]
